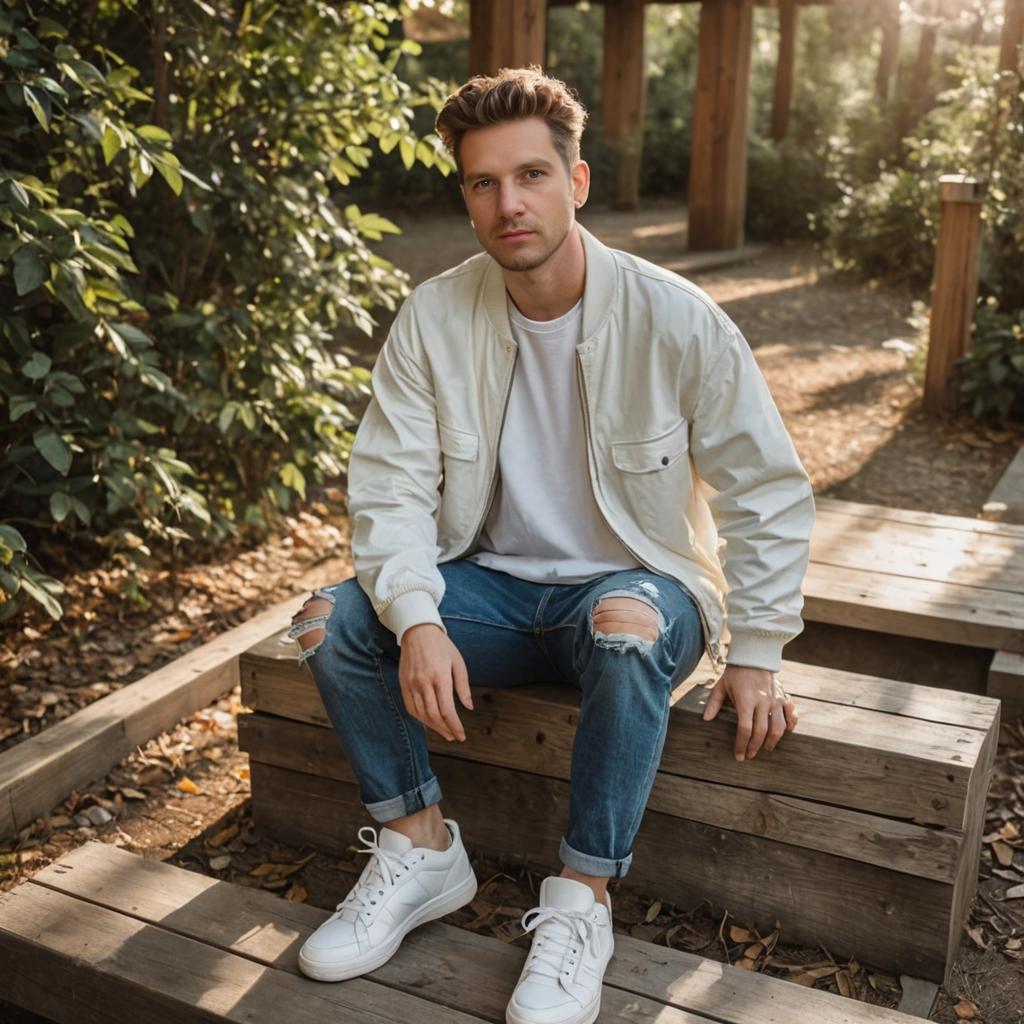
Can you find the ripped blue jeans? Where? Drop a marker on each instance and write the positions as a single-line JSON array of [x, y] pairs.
[[510, 632]]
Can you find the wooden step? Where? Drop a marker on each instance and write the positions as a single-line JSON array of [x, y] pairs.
[[106, 935], [875, 802]]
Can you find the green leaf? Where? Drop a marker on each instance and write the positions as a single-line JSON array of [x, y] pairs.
[[171, 175], [38, 366], [12, 539], [21, 404], [53, 448], [28, 275], [291, 476], [60, 506], [153, 133], [407, 148], [111, 143], [136, 338], [33, 588]]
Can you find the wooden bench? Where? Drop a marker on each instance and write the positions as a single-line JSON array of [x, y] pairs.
[[915, 596], [862, 830], [105, 935]]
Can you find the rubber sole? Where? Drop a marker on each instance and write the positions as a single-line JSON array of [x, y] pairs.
[[439, 906]]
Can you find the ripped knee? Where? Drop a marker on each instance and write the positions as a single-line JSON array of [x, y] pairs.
[[624, 623], [309, 624]]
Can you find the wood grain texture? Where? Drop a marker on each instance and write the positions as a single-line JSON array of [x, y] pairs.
[[39, 773], [886, 918], [74, 961], [888, 764], [442, 964], [898, 845], [716, 193]]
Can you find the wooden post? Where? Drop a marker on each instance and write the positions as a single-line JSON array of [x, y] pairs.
[[782, 101], [506, 34], [1013, 35], [955, 288], [623, 93], [889, 55], [718, 161]]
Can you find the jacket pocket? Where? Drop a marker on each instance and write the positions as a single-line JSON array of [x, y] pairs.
[[458, 444], [654, 483]]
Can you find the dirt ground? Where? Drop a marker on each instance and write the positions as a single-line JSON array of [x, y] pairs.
[[854, 415]]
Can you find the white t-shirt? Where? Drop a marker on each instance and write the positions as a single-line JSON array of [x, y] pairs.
[[544, 524]]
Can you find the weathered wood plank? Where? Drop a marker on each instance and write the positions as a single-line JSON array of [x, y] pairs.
[[900, 846], [247, 921], [74, 961], [887, 514], [924, 608], [937, 553], [867, 753], [1006, 676], [39, 773], [901, 921]]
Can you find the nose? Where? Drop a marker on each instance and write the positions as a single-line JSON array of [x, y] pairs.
[[510, 202]]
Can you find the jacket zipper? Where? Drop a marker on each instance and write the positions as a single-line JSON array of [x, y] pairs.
[[709, 647], [494, 472]]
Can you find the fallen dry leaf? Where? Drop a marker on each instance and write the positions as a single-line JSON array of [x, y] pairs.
[[296, 894], [738, 934], [223, 836], [965, 1010], [1003, 852], [653, 911], [186, 785]]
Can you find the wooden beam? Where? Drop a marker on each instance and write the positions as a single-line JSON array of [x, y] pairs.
[[955, 287], [718, 162], [889, 55], [1012, 35], [40, 772], [623, 94], [506, 34], [782, 100]]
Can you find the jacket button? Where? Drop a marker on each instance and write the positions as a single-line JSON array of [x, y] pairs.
[[664, 460]]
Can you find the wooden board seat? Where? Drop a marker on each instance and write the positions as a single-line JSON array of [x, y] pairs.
[[106, 935], [862, 830], [915, 596]]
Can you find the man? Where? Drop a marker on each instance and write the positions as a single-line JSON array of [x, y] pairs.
[[562, 440]]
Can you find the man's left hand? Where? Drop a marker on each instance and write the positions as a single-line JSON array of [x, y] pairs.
[[763, 711]]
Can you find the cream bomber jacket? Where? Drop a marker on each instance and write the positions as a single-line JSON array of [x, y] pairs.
[[689, 459]]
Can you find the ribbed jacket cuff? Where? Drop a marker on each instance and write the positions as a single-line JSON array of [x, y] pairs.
[[413, 608], [756, 651]]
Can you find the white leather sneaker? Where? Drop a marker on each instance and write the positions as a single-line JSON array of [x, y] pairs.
[[561, 980], [401, 887]]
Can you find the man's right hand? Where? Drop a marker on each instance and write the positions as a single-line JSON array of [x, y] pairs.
[[429, 668]]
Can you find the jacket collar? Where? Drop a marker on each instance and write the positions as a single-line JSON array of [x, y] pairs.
[[599, 289]]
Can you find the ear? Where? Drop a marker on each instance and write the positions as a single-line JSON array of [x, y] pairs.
[[580, 180]]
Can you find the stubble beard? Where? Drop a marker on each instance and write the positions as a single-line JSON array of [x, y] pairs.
[[528, 261]]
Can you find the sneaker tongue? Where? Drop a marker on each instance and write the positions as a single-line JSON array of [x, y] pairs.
[[566, 894], [394, 842]]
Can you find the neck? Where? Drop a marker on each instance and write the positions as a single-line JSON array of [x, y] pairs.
[[552, 289]]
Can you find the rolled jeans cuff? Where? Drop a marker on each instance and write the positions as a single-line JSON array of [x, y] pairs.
[[424, 795], [585, 864]]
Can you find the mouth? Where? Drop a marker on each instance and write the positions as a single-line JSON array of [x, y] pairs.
[[515, 236]]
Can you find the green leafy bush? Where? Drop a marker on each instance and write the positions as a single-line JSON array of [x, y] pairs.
[[171, 363], [991, 375]]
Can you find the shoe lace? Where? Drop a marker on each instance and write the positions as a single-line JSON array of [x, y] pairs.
[[382, 870], [563, 936]]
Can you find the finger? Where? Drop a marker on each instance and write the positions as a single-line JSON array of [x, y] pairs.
[[776, 727], [446, 707], [744, 727], [789, 709], [433, 714], [461, 677], [761, 721], [714, 704]]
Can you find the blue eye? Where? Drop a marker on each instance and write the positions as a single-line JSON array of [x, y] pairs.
[[539, 174]]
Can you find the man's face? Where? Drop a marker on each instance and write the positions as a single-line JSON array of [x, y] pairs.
[[520, 197]]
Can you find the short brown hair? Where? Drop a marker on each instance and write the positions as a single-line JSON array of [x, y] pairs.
[[511, 95]]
